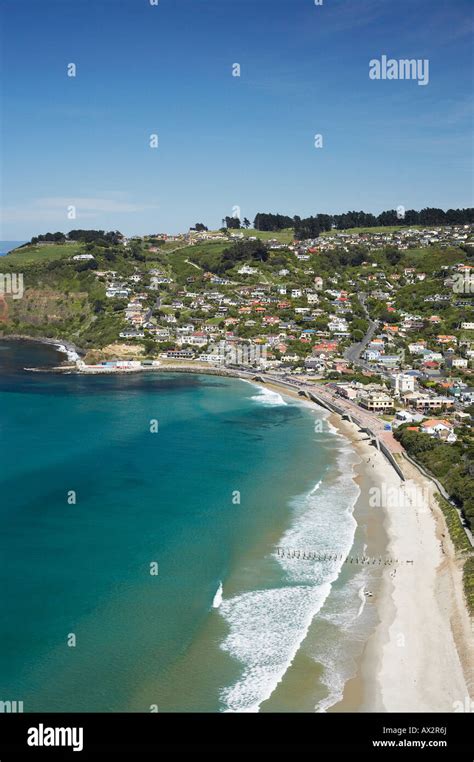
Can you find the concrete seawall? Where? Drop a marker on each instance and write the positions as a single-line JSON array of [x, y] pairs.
[[334, 408]]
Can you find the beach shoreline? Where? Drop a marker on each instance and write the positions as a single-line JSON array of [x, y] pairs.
[[419, 655]]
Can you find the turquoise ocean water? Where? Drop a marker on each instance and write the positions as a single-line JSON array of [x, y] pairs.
[[233, 472]]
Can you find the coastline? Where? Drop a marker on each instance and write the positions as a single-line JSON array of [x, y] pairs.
[[419, 656], [63, 346]]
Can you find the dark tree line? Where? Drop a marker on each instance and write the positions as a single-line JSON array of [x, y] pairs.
[[310, 227], [272, 221], [85, 236]]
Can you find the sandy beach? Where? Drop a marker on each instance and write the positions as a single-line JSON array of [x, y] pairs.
[[420, 656]]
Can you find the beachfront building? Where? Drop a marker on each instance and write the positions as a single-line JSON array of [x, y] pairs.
[[346, 391], [180, 354], [376, 401], [424, 402]]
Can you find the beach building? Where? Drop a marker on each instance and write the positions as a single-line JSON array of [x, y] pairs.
[[346, 391], [422, 401], [376, 401]]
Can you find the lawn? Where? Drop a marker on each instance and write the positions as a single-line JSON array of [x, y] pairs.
[[28, 255], [284, 236]]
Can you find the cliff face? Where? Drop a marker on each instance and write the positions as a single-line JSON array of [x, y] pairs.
[[61, 298]]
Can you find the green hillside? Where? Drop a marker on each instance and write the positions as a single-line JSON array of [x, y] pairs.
[[32, 254]]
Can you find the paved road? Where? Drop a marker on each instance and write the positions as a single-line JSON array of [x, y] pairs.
[[354, 352]]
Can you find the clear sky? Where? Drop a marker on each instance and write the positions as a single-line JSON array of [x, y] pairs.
[[228, 141]]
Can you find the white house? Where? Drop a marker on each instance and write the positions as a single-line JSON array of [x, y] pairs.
[[403, 416], [247, 270], [417, 347], [456, 362], [439, 428], [318, 283]]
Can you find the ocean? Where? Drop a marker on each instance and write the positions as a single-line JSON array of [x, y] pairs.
[[141, 516], [6, 246]]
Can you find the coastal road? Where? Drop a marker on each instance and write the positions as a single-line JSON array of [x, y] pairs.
[[364, 417]]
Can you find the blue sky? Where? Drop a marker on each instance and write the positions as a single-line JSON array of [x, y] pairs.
[[227, 141]]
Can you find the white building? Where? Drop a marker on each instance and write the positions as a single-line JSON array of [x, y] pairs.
[[457, 362], [401, 383], [246, 270]]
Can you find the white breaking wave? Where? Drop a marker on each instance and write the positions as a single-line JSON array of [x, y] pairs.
[[267, 627], [268, 397], [71, 353], [218, 597]]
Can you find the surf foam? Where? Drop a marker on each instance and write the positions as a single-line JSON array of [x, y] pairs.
[[268, 397], [267, 627]]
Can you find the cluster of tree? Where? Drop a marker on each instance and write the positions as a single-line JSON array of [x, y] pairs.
[[451, 464], [231, 223], [94, 236], [53, 237], [310, 227], [358, 378], [85, 236], [242, 251], [234, 223], [273, 222], [200, 227]]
